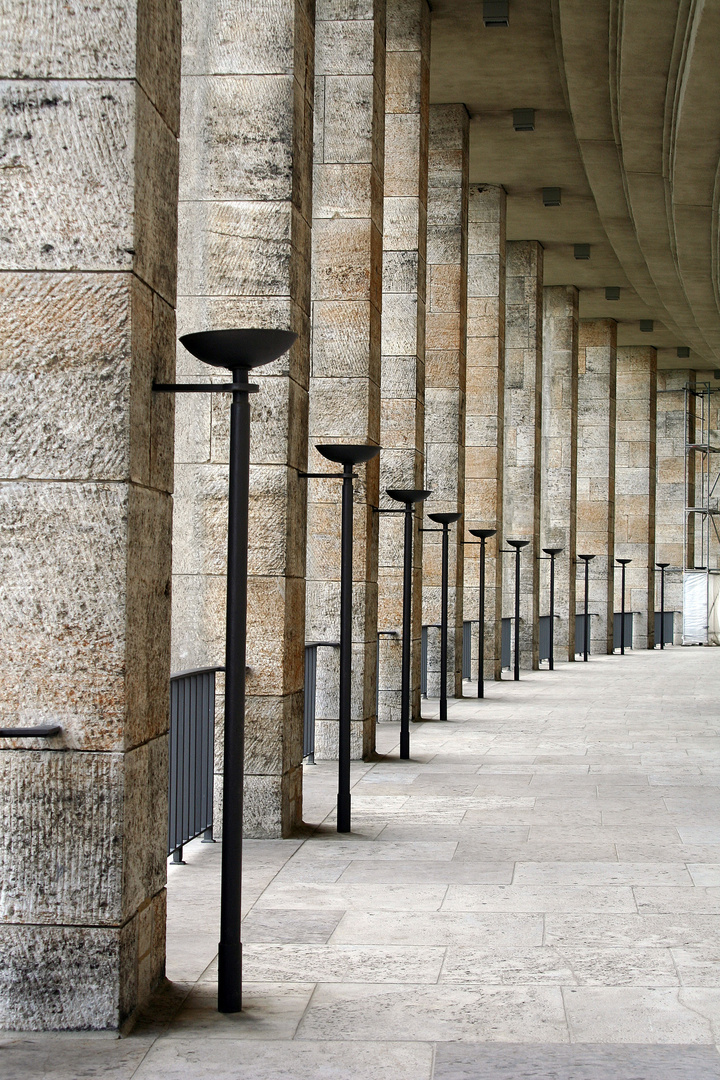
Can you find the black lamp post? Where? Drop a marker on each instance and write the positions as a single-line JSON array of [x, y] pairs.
[[552, 553], [484, 535], [239, 351], [347, 455], [623, 563], [586, 628], [445, 520], [408, 496], [517, 545], [662, 567]]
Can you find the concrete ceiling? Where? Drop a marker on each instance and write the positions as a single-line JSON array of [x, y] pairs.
[[627, 123]]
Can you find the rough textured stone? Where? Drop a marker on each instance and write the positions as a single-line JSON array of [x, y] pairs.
[[670, 491], [402, 417], [484, 413], [347, 269], [559, 457], [445, 363], [635, 484], [523, 411], [247, 94], [597, 365]]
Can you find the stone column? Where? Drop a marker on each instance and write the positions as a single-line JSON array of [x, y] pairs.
[[670, 494], [635, 478], [597, 363], [88, 212], [523, 399], [402, 407], [446, 328], [484, 410], [345, 383], [559, 457], [245, 182]]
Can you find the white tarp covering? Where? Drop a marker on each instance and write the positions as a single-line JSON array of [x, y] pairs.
[[714, 609], [695, 607]]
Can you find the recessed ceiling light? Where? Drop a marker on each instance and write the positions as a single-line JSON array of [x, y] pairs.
[[612, 292], [552, 196], [683, 352], [582, 251], [496, 12], [646, 326], [524, 119]]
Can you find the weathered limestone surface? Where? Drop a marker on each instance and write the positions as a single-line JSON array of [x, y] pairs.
[[597, 368], [484, 411], [347, 254], [670, 494], [559, 457], [635, 485], [87, 295], [445, 361], [523, 412], [245, 217], [402, 404]]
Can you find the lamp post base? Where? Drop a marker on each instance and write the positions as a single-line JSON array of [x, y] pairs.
[[230, 978], [343, 811]]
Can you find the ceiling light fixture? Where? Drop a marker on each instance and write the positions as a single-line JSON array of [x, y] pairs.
[[524, 119], [683, 352], [582, 251], [552, 196], [496, 12], [646, 326], [612, 292]]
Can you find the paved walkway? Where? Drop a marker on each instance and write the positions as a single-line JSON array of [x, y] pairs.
[[535, 895]]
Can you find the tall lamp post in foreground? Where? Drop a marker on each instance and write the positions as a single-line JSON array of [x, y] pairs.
[[623, 563], [517, 546], [586, 628], [445, 520], [407, 496], [347, 455], [662, 567], [551, 554], [239, 351], [484, 535]]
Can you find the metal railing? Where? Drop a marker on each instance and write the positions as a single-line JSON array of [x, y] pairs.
[[192, 751], [311, 648]]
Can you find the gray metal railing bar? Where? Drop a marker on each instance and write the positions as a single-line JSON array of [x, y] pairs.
[[192, 738]]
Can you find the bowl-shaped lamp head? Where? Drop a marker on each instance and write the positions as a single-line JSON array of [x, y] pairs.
[[552, 551], [517, 544], [348, 453], [238, 348], [445, 519], [408, 495], [482, 533]]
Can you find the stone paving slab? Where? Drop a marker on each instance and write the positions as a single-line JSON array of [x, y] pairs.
[[455, 1061]]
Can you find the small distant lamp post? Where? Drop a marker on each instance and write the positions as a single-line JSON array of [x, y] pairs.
[[662, 567], [347, 455], [484, 535], [552, 553], [407, 496], [517, 545], [239, 351], [445, 520], [623, 563], [586, 628]]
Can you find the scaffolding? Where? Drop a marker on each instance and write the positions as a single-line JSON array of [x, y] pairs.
[[701, 536]]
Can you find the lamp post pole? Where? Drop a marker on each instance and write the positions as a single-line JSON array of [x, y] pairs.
[[551, 553], [347, 455], [484, 535], [623, 564], [408, 496], [517, 546], [238, 351], [445, 520], [662, 567], [586, 627]]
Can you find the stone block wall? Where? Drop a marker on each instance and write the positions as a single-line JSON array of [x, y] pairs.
[[670, 496], [402, 405], [347, 255], [88, 201], [245, 224]]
